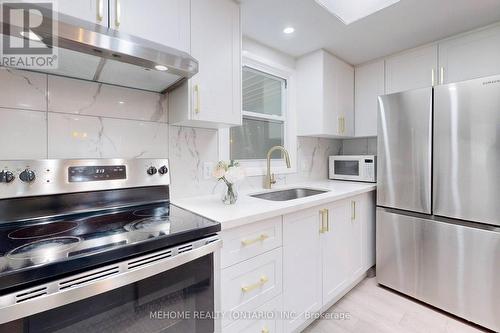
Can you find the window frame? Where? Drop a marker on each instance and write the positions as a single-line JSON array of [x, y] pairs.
[[257, 167]]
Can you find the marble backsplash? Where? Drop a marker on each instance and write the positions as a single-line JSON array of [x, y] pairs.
[[46, 116]]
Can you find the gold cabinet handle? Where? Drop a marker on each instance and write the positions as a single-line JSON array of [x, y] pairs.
[[325, 224], [262, 281], [261, 238], [441, 75], [265, 330], [197, 98], [343, 125], [340, 125], [433, 77], [100, 10], [353, 210], [118, 13]]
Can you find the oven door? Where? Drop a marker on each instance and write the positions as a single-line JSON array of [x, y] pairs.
[[173, 294]]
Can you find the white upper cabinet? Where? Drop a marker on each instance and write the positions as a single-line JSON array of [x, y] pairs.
[[470, 56], [95, 11], [212, 98], [165, 22], [325, 96], [411, 70], [369, 84]]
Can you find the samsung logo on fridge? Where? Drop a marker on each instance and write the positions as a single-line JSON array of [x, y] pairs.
[[491, 82]]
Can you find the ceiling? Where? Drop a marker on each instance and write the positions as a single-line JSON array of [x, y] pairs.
[[404, 25]]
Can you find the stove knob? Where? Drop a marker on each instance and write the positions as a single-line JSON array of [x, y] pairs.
[[6, 176], [163, 170], [152, 171], [27, 176]]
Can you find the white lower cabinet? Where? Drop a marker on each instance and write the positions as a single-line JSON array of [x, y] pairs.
[[278, 274], [326, 252], [301, 266], [267, 321], [251, 283], [336, 247]]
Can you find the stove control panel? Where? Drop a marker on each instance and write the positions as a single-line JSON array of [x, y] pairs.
[[46, 177]]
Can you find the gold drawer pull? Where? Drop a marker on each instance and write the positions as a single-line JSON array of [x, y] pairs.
[[265, 330], [261, 238], [325, 224], [263, 280]]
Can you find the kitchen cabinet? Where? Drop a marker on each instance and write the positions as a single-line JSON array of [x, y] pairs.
[[325, 96], [336, 245], [95, 11], [411, 70], [212, 98], [326, 252], [369, 84], [165, 22], [301, 266], [470, 56]]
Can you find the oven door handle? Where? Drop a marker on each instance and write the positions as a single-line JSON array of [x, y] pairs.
[[71, 289]]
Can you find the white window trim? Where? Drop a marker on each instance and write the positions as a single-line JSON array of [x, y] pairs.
[[258, 167]]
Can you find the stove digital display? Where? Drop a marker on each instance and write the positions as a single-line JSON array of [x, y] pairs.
[[80, 174]]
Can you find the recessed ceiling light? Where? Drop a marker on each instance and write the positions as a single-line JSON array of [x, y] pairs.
[[31, 35], [349, 11], [161, 68], [289, 30]]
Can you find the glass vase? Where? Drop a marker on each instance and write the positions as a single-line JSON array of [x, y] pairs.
[[230, 195]]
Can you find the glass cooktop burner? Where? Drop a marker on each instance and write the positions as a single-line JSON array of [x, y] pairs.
[[150, 212], [43, 230], [46, 248], [153, 224]]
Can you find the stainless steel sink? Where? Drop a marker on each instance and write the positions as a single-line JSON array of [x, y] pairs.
[[291, 194]]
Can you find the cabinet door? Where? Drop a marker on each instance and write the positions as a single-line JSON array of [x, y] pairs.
[[369, 84], [338, 97], [301, 265], [411, 70], [95, 11], [471, 56], [216, 43], [367, 211], [336, 250], [162, 21], [358, 236]]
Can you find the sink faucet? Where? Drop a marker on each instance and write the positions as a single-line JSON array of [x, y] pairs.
[[269, 180]]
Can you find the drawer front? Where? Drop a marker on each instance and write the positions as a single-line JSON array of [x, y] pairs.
[[250, 284], [251, 240], [268, 320]]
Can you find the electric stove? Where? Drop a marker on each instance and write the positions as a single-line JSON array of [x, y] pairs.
[[76, 220]]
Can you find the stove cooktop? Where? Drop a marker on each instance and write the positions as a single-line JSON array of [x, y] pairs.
[[36, 252]]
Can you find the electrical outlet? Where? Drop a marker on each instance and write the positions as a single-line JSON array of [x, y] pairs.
[[208, 168]]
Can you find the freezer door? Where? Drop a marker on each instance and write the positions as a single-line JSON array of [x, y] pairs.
[[450, 266], [405, 150], [467, 150]]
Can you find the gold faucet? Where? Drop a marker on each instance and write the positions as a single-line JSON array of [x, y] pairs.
[[269, 180]]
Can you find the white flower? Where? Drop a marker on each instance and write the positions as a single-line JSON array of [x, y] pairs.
[[235, 175], [219, 172]]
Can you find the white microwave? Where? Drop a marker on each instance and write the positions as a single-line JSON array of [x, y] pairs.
[[361, 168]]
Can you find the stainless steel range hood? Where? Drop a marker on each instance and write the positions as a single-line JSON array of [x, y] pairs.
[[92, 52]]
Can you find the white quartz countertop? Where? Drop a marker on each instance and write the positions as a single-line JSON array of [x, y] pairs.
[[248, 209]]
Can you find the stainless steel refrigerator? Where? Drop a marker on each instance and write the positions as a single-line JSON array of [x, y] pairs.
[[438, 197]]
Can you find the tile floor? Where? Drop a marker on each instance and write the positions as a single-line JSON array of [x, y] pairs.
[[374, 309]]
